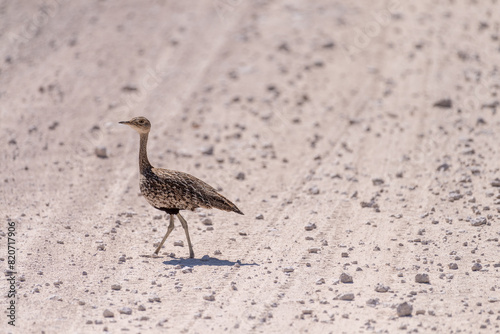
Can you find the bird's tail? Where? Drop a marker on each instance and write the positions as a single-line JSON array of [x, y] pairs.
[[222, 203]]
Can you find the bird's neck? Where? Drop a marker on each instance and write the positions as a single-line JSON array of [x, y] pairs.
[[143, 154]]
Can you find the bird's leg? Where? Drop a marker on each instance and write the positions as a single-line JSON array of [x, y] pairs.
[[185, 226], [169, 229]]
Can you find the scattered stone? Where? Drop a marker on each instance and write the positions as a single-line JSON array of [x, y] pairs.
[[477, 266], [125, 310], [108, 314], [422, 278], [495, 182], [314, 190], [378, 181], [404, 309], [210, 297], [443, 167], [453, 266], [55, 297], [373, 302], [179, 243], [288, 270], [314, 250], [243, 233], [454, 196], [443, 103], [347, 296], [260, 216], [116, 287], [207, 222], [420, 312], [346, 278], [478, 221], [129, 88], [187, 270], [154, 298], [307, 311], [240, 176], [101, 152], [320, 281], [205, 258], [328, 45], [207, 150], [310, 227], [381, 288]]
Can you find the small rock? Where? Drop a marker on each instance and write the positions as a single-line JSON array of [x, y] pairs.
[[347, 296], [476, 267], [453, 266], [314, 190], [443, 103], [101, 152], [373, 302], [454, 196], [129, 88], [260, 216], [240, 176], [310, 227], [422, 278], [346, 278], [207, 150], [495, 182], [381, 288], [205, 258], [320, 281], [443, 167], [404, 309], [125, 310], [242, 233], [108, 314], [307, 311], [210, 298], [187, 270], [179, 243], [314, 250], [55, 297], [377, 181], [478, 221], [288, 270], [116, 287], [207, 222]]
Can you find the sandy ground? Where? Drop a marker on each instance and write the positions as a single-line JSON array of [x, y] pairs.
[[360, 140]]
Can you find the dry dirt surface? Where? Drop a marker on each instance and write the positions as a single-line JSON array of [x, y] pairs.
[[361, 140]]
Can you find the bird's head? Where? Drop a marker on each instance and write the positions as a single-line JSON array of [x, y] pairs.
[[139, 124]]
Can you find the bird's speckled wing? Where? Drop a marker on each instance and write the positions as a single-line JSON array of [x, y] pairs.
[[164, 188]]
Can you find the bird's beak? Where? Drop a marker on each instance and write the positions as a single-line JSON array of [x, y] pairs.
[[124, 122]]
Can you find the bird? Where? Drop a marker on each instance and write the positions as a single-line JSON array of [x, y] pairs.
[[172, 191]]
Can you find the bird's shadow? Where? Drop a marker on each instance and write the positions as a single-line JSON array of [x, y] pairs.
[[210, 261]]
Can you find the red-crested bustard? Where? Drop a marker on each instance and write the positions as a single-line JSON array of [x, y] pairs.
[[171, 191]]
